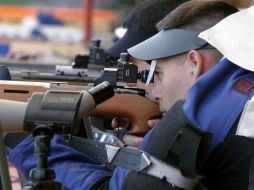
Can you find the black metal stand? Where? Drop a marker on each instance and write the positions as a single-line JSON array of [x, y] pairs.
[[42, 177]]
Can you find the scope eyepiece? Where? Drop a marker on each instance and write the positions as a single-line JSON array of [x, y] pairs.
[[143, 75]]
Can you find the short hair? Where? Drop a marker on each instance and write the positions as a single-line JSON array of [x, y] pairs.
[[197, 15], [146, 14], [239, 3]]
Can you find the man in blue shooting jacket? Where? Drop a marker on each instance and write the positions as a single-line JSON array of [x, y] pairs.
[[217, 95]]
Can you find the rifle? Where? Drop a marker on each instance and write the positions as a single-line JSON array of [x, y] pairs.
[[126, 102], [84, 68]]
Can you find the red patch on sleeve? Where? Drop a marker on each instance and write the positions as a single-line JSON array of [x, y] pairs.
[[243, 86]]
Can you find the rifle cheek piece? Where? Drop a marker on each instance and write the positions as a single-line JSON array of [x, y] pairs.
[[62, 110]]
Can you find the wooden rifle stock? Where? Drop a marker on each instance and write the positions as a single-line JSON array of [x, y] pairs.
[[133, 106]]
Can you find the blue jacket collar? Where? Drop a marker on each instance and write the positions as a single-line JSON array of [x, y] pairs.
[[213, 103]]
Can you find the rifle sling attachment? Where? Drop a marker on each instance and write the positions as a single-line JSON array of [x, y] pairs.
[[134, 159]]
